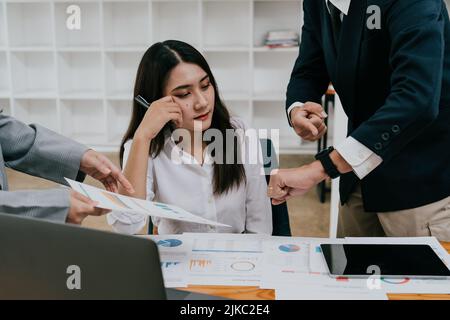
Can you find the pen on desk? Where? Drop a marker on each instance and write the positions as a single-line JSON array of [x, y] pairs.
[[142, 101]]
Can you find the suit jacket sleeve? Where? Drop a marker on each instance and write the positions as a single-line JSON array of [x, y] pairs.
[[309, 78], [40, 152], [43, 153], [416, 29], [51, 204]]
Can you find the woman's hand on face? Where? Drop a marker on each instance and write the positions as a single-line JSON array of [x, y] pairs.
[[158, 114]]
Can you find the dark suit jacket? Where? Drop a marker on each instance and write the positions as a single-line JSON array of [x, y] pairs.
[[394, 84]]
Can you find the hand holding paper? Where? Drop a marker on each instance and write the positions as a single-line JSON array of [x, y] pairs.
[[114, 201]]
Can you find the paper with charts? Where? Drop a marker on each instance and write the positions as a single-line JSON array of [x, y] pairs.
[[225, 259], [114, 201], [174, 253], [294, 267]]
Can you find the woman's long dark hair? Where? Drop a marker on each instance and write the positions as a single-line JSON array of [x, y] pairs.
[[152, 75]]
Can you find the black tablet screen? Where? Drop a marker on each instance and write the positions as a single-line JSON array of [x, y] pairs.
[[388, 259]]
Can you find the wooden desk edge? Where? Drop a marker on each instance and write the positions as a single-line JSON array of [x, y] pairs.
[[256, 293]]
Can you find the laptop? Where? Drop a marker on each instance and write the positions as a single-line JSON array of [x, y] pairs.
[[46, 260]]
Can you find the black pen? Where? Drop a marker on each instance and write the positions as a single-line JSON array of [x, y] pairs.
[[142, 101], [146, 105]]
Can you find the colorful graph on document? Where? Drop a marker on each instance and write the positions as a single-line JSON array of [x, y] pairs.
[[169, 243], [243, 266], [169, 264], [289, 248], [199, 263], [116, 200], [396, 281], [165, 207]]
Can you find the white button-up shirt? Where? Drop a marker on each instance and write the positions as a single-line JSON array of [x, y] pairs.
[[188, 185], [342, 5], [358, 156]]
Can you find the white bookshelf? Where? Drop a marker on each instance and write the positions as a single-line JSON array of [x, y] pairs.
[[232, 72], [233, 17], [176, 20], [80, 82], [41, 111], [273, 15], [33, 74], [29, 24], [119, 112], [271, 68], [88, 37], [5, 106], [80, 74], [127, 24], [120, 73], [2, 28], [84, 120], [4, 82]]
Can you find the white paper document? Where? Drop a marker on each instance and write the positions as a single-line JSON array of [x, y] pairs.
[[294, 267], [225, 259], [313, 280], [283, 259], [287, 260], [174, 253], [114, 201]]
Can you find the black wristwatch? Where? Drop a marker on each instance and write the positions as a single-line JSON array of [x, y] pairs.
[[324, 158]]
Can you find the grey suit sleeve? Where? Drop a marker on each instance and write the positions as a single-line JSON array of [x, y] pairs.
[[52, 204], [40, 152]]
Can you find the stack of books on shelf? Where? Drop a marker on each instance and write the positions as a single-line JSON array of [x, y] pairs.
[[282, 39]]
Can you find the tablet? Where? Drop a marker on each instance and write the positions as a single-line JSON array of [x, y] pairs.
[[386, 260]]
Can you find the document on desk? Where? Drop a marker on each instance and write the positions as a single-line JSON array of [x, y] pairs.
[[114, 201], [225, 259], [286, 266], [283, 259], [174, 253], [407, 285], [287, 258]]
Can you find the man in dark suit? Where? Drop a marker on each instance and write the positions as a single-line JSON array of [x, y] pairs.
[[389, 61]]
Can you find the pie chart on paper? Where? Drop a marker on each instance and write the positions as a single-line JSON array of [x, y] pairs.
[[169, 243], [243, 266], [289, 248]]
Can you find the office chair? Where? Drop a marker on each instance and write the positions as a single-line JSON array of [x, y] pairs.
[[328, 102], [280, 215]]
